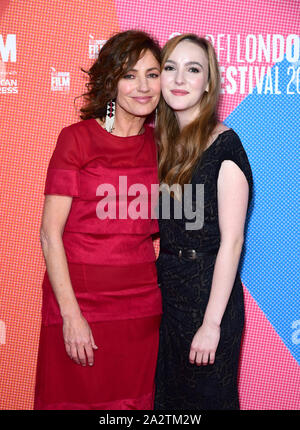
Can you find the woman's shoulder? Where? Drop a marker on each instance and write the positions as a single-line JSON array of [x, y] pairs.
[[79, 126], [220, 128], [233, 149], [218, 131], [75, 139], [227, 145], [226, 133], [227, 137], [231, 142]]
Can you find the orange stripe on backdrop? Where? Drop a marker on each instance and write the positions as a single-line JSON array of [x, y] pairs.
[[49, 35]]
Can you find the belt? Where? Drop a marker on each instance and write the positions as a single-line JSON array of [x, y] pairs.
[[190, 254]]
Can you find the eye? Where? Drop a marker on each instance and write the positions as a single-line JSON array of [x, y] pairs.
[[129, 76], [168, 68], [153, 75], [194, 70]]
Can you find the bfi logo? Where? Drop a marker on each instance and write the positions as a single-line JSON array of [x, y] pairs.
[[8, 48], [94, 47], [60, 81]]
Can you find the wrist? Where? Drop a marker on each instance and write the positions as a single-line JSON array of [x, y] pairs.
[[70, 313], [212, 323]]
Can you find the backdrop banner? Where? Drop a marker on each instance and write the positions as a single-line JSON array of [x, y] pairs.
[[43, 46]]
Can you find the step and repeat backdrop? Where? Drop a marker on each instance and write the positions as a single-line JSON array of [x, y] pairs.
[[43, 46]]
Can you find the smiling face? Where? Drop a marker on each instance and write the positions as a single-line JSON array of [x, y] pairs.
[[184, 78], [138, 90]]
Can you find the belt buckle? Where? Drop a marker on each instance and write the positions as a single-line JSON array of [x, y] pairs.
[[192, 254]]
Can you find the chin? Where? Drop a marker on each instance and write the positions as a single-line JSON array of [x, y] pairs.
[[143, 112], [178, 106]]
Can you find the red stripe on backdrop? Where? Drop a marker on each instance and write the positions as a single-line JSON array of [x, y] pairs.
[[49, 35]]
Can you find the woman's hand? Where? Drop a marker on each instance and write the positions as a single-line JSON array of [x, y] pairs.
[[204, 344], [78, 338]]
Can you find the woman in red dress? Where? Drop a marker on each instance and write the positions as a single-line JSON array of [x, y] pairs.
[[101, 303]]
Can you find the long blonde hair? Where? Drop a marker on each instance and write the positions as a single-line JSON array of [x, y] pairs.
[[180, 150]]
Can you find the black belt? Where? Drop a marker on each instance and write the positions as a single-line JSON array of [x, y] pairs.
[[190, 254]]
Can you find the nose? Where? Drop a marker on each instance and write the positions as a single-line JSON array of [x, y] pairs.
[[179, 77], [143, 85]]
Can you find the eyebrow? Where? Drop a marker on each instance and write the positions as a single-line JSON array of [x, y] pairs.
[[148, 70], [186, 64]]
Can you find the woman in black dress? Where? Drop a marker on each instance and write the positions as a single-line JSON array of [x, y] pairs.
[[203, 307]]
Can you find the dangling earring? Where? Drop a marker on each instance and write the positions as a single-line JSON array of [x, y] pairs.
[[110, 116], [155, 119]]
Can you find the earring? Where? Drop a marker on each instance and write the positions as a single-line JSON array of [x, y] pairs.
[[110, 116], [155, 118]]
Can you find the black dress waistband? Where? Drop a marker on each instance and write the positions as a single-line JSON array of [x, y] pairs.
[[190, 254]]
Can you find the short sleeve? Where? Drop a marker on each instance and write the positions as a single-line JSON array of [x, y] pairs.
[[234, 151], [63, 170]]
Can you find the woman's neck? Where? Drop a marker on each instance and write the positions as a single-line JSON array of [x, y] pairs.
[[126, 128], [185, 117]]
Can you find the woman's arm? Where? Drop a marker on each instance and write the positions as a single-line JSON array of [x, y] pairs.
[[77, 334], [233, 192]]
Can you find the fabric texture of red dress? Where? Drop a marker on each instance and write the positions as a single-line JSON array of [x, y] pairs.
[[111, 263]]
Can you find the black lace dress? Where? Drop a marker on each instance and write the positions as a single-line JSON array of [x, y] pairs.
[[185, 284]]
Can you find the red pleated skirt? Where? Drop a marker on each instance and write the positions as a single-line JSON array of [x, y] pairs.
[[123, 308]]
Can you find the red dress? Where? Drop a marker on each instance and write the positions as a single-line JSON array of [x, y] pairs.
[[112, 270]]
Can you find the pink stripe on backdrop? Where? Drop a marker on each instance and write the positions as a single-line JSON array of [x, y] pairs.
[[269, 375], [236, 18]]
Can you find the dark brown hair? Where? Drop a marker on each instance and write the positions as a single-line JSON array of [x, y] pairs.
[[118, 55], [180, 150]]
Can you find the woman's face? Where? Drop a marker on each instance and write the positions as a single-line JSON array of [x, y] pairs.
[[139, 89], [184, 78]]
